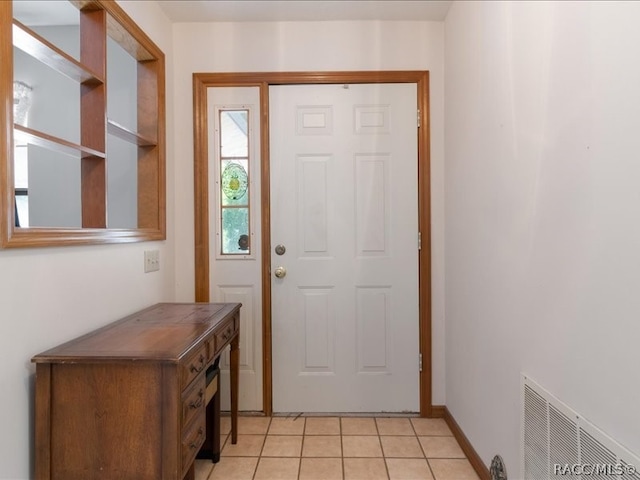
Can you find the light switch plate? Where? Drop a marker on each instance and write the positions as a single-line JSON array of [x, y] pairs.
[[151, 261]]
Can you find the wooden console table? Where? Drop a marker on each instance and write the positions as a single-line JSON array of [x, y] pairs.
[[127, 401]]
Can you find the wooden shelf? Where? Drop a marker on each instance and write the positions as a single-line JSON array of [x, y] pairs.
[[33, 44], [130, 136], [50, 142]]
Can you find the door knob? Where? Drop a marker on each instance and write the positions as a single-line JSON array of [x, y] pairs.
[[280, 272]]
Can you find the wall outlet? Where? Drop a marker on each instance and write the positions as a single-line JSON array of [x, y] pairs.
[[151, 261]]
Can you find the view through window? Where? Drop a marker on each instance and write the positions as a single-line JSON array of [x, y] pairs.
[[234, 182]]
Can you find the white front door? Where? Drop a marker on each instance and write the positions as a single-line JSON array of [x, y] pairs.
[[344, 205], [234, 211]]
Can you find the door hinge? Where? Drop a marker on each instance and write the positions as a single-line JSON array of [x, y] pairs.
[[419, 240], [420, 362], [418, 118]]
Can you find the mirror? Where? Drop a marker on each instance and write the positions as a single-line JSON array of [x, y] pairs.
[[86, 161]]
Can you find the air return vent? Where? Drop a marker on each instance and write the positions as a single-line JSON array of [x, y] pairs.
[[558, 443]]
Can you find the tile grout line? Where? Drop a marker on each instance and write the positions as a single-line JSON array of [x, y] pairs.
[[341, 433], [264, 441], [341, 447], [304, 438], [423, 450], [222, 444], [301, 446], [384, 459]]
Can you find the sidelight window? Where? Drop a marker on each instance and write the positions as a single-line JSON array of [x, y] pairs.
[[233, 144]]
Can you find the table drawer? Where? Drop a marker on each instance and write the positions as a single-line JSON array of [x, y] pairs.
[[224, 336], [192, 440], [193, 366], [194, 400]]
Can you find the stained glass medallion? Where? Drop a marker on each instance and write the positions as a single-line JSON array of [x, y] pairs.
[[234, 181]]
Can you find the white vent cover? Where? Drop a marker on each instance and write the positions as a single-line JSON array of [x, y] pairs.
[[555, 439]]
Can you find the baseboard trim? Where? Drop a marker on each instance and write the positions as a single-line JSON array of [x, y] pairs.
[[438, 411], [475, 460]]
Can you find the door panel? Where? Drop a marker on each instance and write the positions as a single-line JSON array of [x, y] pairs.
[[344, 204], [237, 277]]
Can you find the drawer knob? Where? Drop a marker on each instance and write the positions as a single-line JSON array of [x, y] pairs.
[[193, 445], [197, 403], [198, 368]]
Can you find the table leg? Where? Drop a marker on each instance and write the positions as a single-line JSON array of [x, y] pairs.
[[215, 430], [235, 380]]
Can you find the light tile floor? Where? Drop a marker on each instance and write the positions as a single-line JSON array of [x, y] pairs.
[[340, 448]]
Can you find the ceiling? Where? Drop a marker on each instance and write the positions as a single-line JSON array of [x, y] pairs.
[[303, 10], [61, 12]]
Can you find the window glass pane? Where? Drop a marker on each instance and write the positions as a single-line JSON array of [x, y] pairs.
[[235, 182], [235, 231], [20, 167], [22, 210], [234, 133]]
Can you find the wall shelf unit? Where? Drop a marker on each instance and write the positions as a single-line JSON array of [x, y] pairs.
[[38, 61]]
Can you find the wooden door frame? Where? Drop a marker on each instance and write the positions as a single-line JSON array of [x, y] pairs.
[[262, 80]]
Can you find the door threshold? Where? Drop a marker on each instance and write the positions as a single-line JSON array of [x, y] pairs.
[[327, 414], [348, 414]]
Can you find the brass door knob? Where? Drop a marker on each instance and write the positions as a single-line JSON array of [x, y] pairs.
[[280, 272]]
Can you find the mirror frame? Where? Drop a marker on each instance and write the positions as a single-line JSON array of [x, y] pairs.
[[151, 158]]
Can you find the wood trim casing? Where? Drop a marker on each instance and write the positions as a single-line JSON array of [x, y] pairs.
[[202, 81], [7, 202], [424, 258], [475, 460], [201, 190], [265, 189]]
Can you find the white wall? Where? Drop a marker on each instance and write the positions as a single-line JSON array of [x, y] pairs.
[[309, 46], [542, 214], [52, 295]]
